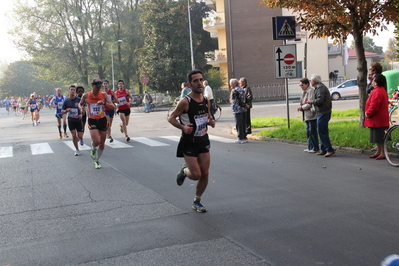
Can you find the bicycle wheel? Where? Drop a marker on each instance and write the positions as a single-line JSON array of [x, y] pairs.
[[391, 145], [153, 107], [218, 112], [171, 109], [394, 115], [140, 108]]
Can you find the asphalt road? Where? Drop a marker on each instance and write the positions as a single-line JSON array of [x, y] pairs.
[[269, 203]]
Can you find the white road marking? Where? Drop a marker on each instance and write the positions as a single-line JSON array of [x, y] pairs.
[[40, 148]]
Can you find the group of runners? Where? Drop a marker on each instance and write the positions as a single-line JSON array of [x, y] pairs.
[[97, 108]]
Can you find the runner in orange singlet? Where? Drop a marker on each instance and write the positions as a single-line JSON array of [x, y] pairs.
[[97, 122], [109, 112]]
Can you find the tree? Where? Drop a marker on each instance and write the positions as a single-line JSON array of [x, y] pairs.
[[70, 39], [165, 56], [338, 19], [369, 46], [391, 53], [21, 79]]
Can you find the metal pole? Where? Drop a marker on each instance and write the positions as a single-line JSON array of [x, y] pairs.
[[112, 64], [191, 36], [287, 97]]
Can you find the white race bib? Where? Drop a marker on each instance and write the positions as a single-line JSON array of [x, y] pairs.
[[201, 122], [73, 112], [96, 109], [122, 100]]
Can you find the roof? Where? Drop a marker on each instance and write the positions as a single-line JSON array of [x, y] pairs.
[[352, 53]]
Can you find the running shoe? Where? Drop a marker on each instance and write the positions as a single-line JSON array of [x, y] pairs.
[[37, 123], [93, 154], [121, 128], [111, 139], [181, 175], [198, 206], [127, 139], [33, 123], [81, 142], [97, 165], [66, 135], [60, 136], [77, 152]]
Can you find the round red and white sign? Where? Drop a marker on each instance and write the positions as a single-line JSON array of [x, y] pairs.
[[289, 59]]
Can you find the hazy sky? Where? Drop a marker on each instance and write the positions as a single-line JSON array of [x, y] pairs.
[[9, 53]]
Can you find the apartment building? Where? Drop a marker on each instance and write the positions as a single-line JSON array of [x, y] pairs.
[[246, 47]]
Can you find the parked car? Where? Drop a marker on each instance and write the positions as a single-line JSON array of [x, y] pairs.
[[137, 100], [346, 89]]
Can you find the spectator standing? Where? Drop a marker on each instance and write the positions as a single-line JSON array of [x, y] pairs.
[[323, 106], [147, 100], [208, 93], [374, 69], [248, 99], [185, 90], [309, 115], [237, 100], [376, 115]]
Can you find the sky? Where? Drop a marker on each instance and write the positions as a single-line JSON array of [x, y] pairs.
[[9, 53]]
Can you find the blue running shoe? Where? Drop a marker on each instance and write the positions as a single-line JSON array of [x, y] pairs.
[[181, 175], [198, 206], [81, 142]]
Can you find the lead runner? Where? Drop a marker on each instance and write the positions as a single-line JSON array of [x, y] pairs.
[[195, 116]]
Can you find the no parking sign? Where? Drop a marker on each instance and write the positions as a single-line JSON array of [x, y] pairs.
[[145, 79]]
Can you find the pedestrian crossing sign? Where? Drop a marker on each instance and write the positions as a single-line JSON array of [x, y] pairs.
[[284, 28]]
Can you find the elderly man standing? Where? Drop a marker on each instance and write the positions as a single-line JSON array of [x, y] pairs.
[[323, 106]]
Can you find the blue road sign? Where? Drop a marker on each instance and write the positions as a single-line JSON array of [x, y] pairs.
[[284, 28]]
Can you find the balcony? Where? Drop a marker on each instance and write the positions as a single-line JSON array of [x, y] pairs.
[[216, 57], [214, 22]]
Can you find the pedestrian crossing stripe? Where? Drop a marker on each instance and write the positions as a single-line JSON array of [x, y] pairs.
[[40, 148], [5, 152], [150, 142], [44, 148]]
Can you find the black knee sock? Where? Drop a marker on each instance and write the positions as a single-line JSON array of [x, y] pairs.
[[59, 129], [64, 128]]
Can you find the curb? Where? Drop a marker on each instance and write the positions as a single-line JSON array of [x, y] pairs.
[[233, 131]]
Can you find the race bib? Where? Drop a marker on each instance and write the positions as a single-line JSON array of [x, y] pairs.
[[122, 100], [201, 123], [73, 112], [96, 109], [33, 106], [60, 105]]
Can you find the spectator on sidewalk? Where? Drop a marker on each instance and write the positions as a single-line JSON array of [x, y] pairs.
[[248, 99], [208, 93], [323, 106]]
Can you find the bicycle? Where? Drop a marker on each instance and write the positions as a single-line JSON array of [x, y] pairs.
[[391, 145], [217, 111], [394, 108], [141, 108], [173, 107]]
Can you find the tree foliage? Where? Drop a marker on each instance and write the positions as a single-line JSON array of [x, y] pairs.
[[165, 57], [369, 46], [338, 19], [70, 39], [391, 53], [21, 79]]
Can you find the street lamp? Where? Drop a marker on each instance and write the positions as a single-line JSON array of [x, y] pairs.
[[191, 35], [112, 63]]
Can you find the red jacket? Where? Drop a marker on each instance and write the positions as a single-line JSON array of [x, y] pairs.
[[377, 109]]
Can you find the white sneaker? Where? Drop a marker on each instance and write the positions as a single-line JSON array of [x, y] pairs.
[[239, 141], [244, 140], [311, 151], [77, 152], [306, 150]]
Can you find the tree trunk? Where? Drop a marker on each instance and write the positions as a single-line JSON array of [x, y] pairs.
[[362, 69]]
